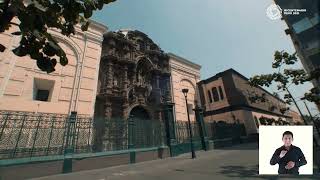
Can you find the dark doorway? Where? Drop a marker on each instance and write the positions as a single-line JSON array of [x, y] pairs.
[[143, 130], [139, 112]]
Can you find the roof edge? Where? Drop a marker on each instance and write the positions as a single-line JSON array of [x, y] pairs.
[[231, 70], [97, 25], [184, 60]]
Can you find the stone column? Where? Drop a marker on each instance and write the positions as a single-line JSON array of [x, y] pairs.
[[125, 79], [168, 97], [134, 77], [109, 77], [157, 82], [156, 89], [69, 142], [125, 108], [202, 127], [107, 112], [170, 128]]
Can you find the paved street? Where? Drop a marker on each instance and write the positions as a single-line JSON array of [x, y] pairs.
[[237, 162]]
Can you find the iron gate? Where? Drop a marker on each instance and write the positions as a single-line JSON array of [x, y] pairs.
[[183, 138]]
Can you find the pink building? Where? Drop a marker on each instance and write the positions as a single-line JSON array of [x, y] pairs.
[[23, 87], [184, 74]]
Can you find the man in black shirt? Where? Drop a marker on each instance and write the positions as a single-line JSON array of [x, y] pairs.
[[288, 156]]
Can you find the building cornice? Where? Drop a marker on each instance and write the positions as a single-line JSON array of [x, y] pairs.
[[184, 61], [243, 107], [189, 69], [232, 71], [98, 26]]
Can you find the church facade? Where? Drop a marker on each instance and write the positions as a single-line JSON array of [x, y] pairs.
[[134, 77], [109, 74]]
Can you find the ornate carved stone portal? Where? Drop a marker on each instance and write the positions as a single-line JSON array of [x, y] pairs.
[[134, 77]]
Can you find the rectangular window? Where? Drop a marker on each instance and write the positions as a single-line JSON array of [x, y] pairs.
[[215, 94], [42, 89], [209, 95], [316, 19], [315, 60], [302, 25], [42, 95], [221, 93]]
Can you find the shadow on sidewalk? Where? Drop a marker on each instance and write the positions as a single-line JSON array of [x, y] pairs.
[[245, 146], [239, 172]]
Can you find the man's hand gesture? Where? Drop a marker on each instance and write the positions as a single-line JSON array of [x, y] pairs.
[[290, 165], [283, 153]]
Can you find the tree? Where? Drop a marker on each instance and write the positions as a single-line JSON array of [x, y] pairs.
[[284, 77], [36, 17]]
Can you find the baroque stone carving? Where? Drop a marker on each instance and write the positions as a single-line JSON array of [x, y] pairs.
[[133, 71]]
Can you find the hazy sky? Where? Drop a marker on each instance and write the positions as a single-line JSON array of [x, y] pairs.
[[217, 34]]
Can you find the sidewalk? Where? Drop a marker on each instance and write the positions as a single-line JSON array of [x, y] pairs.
[[237, 162]]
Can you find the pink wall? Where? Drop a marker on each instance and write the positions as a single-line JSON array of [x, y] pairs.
[[73, 86]]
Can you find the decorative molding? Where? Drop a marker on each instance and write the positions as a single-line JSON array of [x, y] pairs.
[[184, 61]]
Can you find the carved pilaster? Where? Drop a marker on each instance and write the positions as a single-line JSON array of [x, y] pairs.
[[157, 81], [109, 76], [134, 75], [108, 111], [125, 112], [125, 81], [167, 94]]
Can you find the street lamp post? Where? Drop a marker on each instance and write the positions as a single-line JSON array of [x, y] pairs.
[[185, 92]]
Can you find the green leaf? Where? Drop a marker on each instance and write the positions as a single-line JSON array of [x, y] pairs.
[[20, 51], [36, 17], [54, 62], [108, 1], [88, 13], [50, 49], [18, 33], [84, 26], [41, 64], [2, 48], [36, 55], [63, 60]]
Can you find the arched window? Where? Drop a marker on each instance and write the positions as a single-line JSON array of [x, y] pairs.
[[221, 93], [210, 97], [215, 94]]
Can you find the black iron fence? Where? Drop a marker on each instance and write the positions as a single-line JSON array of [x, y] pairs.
[[221, 130], [182, 131], [27, 134], [24, 134], [120, 134]]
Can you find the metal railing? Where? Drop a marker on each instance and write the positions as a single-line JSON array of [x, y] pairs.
[[24, 134], [182, 131], [221, 130]]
